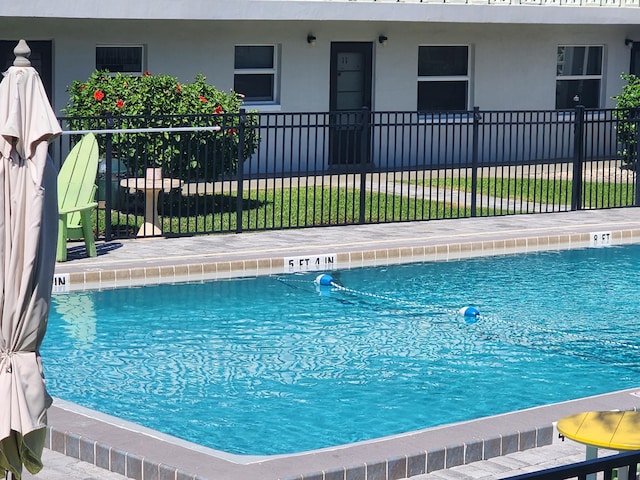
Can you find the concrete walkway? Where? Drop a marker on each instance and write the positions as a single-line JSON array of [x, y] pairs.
[[123, 263], [533, 460], [61, 467]]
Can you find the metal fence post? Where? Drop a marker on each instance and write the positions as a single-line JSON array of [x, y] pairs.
[[242, 121], [108, 172], [578, 158], [474, 159], [364, 159], [635, 118]]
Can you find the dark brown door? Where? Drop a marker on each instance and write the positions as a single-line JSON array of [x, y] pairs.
[[41, 59], [350, 103], [634, 68]]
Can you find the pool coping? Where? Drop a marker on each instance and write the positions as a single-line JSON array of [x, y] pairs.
[[144, 454], [138, 453], [251, 263]]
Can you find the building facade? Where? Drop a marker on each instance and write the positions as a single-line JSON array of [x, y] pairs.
[[308, 55]]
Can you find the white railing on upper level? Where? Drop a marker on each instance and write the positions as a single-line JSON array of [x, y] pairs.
[[568, 3]]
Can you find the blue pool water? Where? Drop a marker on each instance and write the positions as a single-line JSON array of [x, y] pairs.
[[272, 365]]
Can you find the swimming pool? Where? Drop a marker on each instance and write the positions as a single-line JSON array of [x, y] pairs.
[[271, 365]]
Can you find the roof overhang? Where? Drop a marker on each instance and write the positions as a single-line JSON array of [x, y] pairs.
[[329, 10]]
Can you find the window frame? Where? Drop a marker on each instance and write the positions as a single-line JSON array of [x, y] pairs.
[[274, 70], [143, 57], [586, 76], [467, 78]]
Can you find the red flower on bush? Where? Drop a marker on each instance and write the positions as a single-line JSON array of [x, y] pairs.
[[146, 73], [232, 131], [120, 103], [179, 88], [218, 109], [202, 99], [98, 95]]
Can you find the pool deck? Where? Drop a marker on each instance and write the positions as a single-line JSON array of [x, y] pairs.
[[505, 444]]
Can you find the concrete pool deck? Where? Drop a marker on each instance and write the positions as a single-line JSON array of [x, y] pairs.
[[123, 263], [61, 467], [139, 453]]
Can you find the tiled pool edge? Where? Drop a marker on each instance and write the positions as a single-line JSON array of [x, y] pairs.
[[110, 458], [438, 459], [140, 468], [144, 454], [220, 270]]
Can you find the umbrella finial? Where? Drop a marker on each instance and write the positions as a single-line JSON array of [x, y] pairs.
[[22, 53]]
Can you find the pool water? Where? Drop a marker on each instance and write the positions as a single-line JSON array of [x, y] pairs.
[[277, 365]]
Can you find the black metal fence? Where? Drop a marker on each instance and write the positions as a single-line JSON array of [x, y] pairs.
[[605, 468], [262, 171]]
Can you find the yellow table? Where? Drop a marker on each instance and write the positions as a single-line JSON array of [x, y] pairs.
[[611, 430]]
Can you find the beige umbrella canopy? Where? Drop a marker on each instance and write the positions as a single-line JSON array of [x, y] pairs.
[[28, 231]]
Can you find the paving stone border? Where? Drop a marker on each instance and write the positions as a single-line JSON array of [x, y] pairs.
[[138, 468]]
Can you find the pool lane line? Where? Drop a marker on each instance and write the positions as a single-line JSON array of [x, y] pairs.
[[337, 287]]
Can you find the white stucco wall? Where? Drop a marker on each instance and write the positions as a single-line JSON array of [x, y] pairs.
[[513, 65], [558, 12]]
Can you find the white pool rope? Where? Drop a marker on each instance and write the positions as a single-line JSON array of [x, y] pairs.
[[386, 298], [487, 320]]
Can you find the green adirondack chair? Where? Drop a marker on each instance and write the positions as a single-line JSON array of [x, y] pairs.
[[76, 196]]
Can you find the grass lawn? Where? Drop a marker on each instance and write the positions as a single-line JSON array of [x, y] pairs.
[[280, 208], [285, 208], [556, 192]]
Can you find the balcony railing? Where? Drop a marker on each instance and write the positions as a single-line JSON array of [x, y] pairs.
[[568, 3]]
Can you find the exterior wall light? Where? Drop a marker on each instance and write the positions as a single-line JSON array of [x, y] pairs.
[[311, 39], [382, 39]]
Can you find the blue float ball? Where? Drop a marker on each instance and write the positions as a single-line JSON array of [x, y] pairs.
[[469, 312], [324, 279]]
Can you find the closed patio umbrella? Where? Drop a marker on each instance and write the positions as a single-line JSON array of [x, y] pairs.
[[28, 231]]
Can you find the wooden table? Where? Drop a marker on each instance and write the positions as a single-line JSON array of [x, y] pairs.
[[613, 430], [151, 188]]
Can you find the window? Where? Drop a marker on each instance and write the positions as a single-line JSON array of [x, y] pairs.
[[578, 76], [255, 73], [123, 59], [443, 78]]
